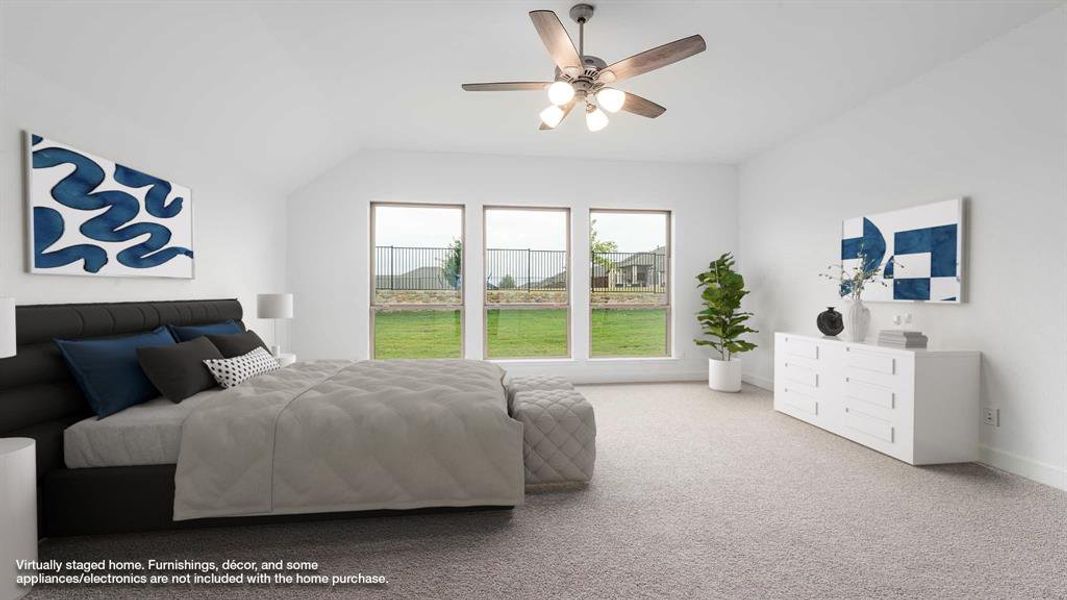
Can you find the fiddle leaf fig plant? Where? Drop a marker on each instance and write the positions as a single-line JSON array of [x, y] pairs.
[[722, 319]]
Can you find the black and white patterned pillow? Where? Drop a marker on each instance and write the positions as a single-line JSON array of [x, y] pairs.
[[232, 371]]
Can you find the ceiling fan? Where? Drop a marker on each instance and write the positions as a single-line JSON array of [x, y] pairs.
[[583, 79]]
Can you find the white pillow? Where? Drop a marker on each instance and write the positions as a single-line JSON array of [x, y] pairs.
[[232, 371]]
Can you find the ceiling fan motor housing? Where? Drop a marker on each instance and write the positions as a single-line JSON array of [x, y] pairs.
[[581, 13]]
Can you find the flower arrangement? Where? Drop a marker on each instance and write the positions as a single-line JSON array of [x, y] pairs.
[[852, 281]]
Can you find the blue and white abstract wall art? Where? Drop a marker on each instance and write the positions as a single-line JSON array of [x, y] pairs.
[[919, 249], [92, 216]]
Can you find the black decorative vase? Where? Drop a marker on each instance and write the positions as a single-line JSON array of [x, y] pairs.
[[830, 322]]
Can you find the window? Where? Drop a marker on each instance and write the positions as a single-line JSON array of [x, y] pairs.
[[527, 300], [417, 281], [629, 293]]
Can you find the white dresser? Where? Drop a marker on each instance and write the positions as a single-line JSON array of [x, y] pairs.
[[920, 406]]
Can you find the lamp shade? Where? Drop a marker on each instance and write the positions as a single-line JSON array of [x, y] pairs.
[[7, 327], [274, 306]]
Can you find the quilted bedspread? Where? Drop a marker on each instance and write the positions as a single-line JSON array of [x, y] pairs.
[[329, 436]]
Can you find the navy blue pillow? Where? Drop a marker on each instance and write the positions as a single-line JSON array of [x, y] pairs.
[[186, 333], [107, 370]]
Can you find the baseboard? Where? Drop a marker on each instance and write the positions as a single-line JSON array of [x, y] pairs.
[[591, 378], [622, 370], [1029, 468], [760, 382]]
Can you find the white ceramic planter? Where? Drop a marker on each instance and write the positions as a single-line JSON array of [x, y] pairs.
[[857, 321], [724, 375]]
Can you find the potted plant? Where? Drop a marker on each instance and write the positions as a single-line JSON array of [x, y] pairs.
[[723, 322]]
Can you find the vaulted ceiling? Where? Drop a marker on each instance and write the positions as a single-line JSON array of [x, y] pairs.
[[287, 89]]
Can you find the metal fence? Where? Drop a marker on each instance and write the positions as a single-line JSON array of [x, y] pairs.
[[415, 268], [629, 272], [425, 268], [525, 269]]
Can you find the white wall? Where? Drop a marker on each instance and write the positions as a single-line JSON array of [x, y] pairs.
[[238, 227], [329, 259], [991, 126]]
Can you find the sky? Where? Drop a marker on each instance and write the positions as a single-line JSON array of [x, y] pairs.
[[536, 229], [433, 227], [633, 232]]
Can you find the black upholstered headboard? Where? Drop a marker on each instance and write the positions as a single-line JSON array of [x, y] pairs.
[[38, 397]]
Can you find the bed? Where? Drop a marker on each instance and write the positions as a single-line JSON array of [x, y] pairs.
[[314, 438], [145, 434]]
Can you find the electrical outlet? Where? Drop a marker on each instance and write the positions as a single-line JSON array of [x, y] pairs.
[[991, 416]]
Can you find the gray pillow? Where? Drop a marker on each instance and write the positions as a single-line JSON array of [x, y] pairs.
[[237, 344], [178, 371]]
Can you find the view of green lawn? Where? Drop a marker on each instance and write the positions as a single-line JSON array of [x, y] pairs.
[[618, 332], [417, 334], [520, 333], [526, 332]]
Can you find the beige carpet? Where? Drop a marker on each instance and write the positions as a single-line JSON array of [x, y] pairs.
[[696, 495]]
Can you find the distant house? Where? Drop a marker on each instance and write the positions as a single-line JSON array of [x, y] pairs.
[[634, 271]]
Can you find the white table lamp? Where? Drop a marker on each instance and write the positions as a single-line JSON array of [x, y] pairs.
[[7, 327], [274, 306]]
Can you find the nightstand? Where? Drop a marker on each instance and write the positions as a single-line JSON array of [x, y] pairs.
[[285, 359], [18, 511]]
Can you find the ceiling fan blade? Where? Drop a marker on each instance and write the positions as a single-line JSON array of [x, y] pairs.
[[557, 41], [640, 106], [649, 60], [506, 86], [567, 108]]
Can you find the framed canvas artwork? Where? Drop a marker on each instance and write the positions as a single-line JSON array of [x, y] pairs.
[[92, 216], [919, 249]]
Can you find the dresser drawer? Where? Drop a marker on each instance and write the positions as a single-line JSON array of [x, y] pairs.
[[799, 401], [858, 421], [799, 373], [871, 361], [800, 347], [865, 392]]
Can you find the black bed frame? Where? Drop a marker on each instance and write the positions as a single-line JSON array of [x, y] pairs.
[[39, 399]]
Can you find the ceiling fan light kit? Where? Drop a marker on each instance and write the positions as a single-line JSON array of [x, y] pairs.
[[583, 78], [552, 115], [595, 119], [560, 93], [611, 99]]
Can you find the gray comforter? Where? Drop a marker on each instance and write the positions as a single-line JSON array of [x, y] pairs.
[[338, 435]]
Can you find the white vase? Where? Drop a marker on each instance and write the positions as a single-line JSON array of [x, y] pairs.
[[857, 320], [724, 375]]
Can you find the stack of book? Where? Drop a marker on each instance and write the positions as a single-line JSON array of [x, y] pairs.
[[900, 338]]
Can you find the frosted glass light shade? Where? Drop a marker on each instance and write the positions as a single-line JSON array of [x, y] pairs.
[[611, 99], [274, 306], [552, 115], [7, 327], [560, 93], [596, 120]]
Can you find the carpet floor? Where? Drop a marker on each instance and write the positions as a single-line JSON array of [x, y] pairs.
[[696, 495]]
